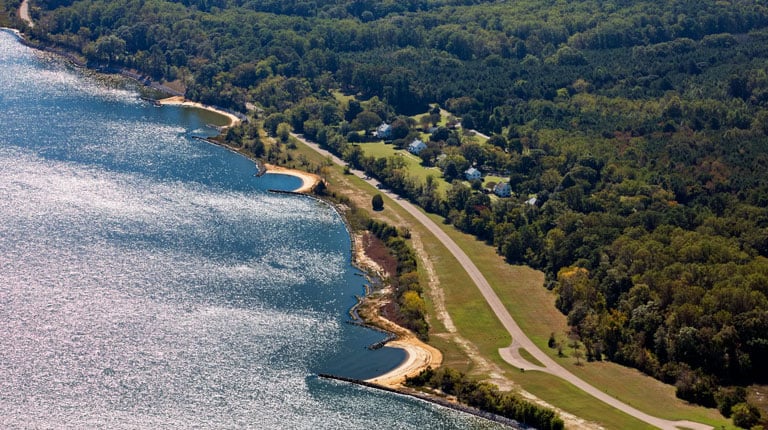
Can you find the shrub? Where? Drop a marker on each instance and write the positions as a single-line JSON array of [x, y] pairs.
[[377, 202], [745, 415]]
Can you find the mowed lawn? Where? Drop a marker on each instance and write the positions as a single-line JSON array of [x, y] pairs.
[[413, 163]]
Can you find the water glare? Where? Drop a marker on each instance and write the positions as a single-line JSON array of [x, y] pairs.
[[150, 281]]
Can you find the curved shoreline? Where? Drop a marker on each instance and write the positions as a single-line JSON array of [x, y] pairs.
[[308, 180], [181, 101], [433, 399], [419, 355]]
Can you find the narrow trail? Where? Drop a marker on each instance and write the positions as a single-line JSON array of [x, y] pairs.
[[24, 13], [511, 354]]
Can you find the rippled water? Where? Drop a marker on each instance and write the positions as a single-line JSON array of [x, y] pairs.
[[148, 280]]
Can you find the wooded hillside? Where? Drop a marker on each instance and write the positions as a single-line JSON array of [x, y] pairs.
[[639, 128]]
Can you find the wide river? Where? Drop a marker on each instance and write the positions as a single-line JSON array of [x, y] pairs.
[[149, 280]]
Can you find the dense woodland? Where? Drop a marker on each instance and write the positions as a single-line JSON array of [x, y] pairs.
[[639, 127]]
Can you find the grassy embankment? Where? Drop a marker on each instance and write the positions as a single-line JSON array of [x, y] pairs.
[[520, 288]]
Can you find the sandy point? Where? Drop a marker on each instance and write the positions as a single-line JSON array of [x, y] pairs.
[[308, 180], [420, 356], [181, 101]]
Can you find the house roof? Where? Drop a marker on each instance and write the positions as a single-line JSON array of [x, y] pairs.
[[503, 189]]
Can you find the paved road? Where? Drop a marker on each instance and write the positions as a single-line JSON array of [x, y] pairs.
[[511, 354]]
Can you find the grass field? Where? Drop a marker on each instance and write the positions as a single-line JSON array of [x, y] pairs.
[[383, 150], [494, 179], [521, 290], [338, 95]]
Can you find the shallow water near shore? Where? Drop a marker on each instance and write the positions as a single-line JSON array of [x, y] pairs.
[[149, 280]]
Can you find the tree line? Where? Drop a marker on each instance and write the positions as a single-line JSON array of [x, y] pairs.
[[487, 397]]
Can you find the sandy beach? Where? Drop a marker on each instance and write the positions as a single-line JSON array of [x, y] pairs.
[[181, 101], [419, 355], [309, 180]]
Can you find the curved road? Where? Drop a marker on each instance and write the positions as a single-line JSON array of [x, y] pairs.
[[511, 353]]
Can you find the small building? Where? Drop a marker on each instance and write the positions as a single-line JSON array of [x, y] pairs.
[[471, 174], [532, 201], [416, 147], [384, 131], [502, 189]]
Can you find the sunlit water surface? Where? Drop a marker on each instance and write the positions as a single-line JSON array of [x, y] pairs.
[[148, 280]]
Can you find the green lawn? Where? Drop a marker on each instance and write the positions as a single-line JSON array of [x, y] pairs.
[[494, 179], [338, 95], [382, 150], [444, 117], [474, 138]]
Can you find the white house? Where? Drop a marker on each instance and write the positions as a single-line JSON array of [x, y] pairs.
[[471, 174], [384, 131], [502, 189], [416, 147]]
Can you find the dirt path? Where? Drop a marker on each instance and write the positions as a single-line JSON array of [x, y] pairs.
[[24, 13], [511, 353]]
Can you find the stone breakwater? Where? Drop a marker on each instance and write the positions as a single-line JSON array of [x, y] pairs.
[[440, 401]]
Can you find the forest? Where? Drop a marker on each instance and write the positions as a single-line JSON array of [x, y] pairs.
[[634, 135]]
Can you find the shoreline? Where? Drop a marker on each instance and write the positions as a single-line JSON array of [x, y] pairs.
[[430, 398], [419, 355], [183, 102], [309, 180]]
